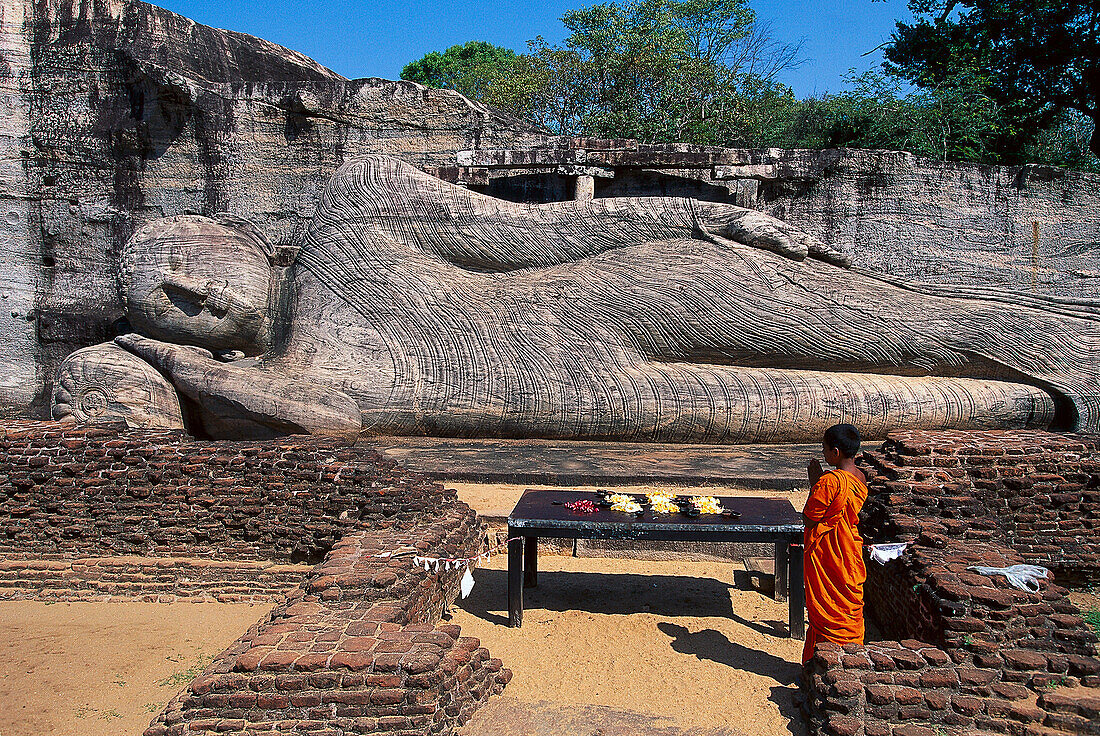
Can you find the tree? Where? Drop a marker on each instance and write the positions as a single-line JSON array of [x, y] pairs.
[[951, 122], [471, 69], [693, 71], [1039, 59], [668, 70]]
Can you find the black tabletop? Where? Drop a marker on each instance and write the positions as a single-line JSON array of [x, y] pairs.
[[545, 509]]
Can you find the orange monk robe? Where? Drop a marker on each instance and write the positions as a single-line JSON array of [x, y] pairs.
[[833, 557]]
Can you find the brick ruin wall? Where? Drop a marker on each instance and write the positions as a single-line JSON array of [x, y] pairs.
[[162, 493], [355, 643], [1036, 492], [970, 652]]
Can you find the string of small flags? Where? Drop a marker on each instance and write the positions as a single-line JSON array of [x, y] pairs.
[[435, 564]]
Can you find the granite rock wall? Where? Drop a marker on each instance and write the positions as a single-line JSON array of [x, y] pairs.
[[1034, 228], [115, 113]]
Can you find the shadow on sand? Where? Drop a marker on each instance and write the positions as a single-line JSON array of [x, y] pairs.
[[614, 593], [611, 593], [666, 596]]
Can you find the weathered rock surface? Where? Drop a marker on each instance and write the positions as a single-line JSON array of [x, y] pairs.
[[894, 212], [116, 113], [1034, 229]]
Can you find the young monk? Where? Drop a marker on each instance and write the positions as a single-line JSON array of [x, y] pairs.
[[833, 548]]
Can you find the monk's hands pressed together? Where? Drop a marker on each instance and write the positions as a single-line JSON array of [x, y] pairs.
[[814, 471], [724, 223]]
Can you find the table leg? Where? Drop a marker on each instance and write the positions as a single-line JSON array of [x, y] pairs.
[[515, 581], [797, 600], [530, 562], [781, 562]]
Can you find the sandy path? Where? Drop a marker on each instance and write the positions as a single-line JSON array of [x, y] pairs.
[[81, 669], [631, 646]]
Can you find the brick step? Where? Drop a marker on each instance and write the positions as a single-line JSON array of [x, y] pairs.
[[145, 578]]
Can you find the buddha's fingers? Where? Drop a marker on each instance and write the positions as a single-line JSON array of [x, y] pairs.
[[762, 231], [166, 357], [721, 224], [236, 394], [823, 252]]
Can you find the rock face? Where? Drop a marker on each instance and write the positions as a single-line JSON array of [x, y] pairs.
[[418, 307], [1034, 229], [114, 114]]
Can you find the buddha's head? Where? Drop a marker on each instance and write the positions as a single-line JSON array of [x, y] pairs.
[[193, 280]]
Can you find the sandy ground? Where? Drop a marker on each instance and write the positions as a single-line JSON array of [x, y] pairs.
[[615, 646], [83, 669], [1088, 602]]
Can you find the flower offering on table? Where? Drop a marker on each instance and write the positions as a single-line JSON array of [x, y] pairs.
[[583, 506], [662, 504], [627, 505], [707, 504]]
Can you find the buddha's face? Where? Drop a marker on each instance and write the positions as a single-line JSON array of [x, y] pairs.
[[193, 281]]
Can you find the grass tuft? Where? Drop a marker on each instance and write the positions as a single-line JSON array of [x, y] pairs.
[[1092, 618], [180, 679]]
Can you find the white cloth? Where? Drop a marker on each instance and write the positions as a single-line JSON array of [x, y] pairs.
[[467, 583], [883, 553], [1024, 577]]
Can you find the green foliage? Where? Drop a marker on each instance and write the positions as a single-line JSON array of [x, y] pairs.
[[472, 68], [696, 71], [1092, 618], [1041, 59], [954, 122], [179, 679]]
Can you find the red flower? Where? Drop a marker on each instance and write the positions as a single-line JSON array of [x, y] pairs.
[[583, 506]]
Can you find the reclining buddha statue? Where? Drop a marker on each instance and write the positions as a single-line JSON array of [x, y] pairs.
[[417, 307]]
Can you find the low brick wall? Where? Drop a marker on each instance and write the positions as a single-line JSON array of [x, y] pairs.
[[909, 688], [354, 644], [156, 580], [109, 492], [1036, 492], [357, 649], [971, 653], [931, 594]]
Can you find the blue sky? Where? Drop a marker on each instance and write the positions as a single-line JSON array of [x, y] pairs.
[[376, 39]]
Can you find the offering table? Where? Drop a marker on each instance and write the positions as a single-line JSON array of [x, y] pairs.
[[543, 513]]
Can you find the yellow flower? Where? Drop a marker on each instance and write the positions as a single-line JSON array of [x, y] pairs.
[[707, 504]]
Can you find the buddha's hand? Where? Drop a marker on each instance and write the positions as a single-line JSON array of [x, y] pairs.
[[721, 223], [240, 399], [168, 358]]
